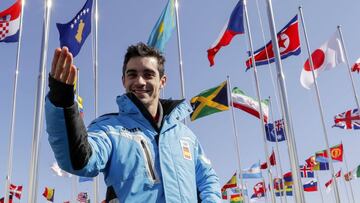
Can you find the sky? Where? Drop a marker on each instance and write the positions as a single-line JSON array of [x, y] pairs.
[[122, 23]]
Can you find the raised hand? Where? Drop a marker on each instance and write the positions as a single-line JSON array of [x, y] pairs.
[[62, 68]]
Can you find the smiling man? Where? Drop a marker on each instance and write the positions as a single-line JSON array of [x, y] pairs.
[[145, 151]]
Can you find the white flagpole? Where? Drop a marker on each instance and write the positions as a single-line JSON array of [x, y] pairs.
[[236, 136], [13, 112], [277, 151], [349, 67], [181, 69], [351, 189], [294, 161], [39, 106], [95, 69], [318, 182], [336, 190], [262, 124]]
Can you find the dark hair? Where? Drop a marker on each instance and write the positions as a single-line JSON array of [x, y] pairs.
[[144, 50]]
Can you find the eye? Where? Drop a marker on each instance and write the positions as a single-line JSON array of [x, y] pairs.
[[149, 75], [131, 75]]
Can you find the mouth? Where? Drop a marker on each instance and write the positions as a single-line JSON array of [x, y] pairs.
[[139, 91]]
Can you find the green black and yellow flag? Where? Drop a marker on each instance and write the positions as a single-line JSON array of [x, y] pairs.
[[210, 101]]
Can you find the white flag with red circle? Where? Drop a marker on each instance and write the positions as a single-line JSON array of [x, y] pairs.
[[327, 57]]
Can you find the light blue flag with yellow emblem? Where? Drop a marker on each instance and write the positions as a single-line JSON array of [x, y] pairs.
[[163, 28], [74, 33]]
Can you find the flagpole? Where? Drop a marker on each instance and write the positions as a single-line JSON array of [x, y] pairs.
[[337, 196], [246, 197], [179, 50], [13, 112], [95, 69], [351, 189], [75, 179], [235, 134], [277, 150], [39, 106], [349, 67], [318, 180], [259, 102], [294, 162]]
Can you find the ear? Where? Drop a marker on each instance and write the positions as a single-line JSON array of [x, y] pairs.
[[163, 81], [123, 80]]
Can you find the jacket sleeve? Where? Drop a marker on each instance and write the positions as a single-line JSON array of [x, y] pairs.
[[76, 150], [206, 179]]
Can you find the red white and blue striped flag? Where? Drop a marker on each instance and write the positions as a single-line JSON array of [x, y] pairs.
[[10, 23]]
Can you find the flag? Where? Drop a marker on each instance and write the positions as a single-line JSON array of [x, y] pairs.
[[321, 166], [236, 198], [306, 171], [356, 66], [357, 172], [15, 190], [336, 152], [316, 166], [348, 176], [326, 57], [74, 33], [163, 28], [272, 161], [49, 194], [311, 186], [224, 194], [329, 183], [277, 134], [259, 190], [58, 171], [288, 179], [2, 200], [82, 197], [352, 174], [238, 190], [252, 172], [288, 190], [248, 104], [278, 185], [349, 119], [10, 23], [232, 183], [79, 101], [210, 101], [233, 27], [288, 42], [85, 179]]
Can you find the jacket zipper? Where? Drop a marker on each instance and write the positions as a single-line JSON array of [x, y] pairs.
[[148, 160]]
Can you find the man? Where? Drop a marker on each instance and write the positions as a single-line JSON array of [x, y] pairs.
[[145, 152]]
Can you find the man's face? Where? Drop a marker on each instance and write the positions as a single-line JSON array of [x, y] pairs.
[[142, 78]]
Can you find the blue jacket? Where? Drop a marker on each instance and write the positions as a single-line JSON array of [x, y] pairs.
[[141, 164]]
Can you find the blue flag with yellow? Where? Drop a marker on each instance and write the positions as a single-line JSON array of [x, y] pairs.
[[74, 33], [163, 28]]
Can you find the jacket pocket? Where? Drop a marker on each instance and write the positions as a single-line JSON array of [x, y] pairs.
[[148, 159]]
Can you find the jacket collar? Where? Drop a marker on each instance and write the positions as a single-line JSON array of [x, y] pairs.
[[173, 110]]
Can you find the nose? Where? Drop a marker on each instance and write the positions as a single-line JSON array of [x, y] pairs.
[[141, 80]]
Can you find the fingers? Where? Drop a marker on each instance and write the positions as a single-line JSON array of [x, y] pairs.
[[62, 68], [72, 75], [54, 61], [61, 63], [65, 73]]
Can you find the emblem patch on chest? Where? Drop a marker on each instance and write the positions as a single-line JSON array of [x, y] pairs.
[[185, 146]]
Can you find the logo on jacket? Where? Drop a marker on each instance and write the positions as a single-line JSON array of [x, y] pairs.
[[185, 146]]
